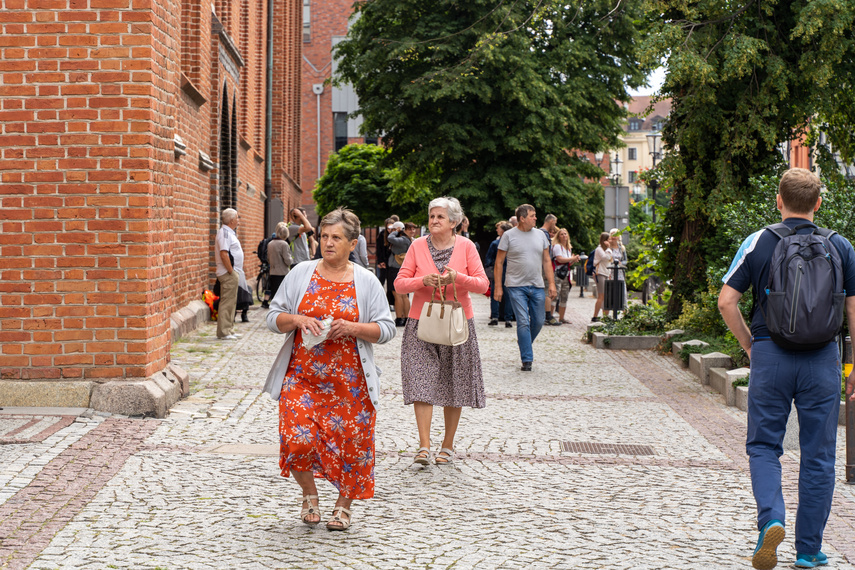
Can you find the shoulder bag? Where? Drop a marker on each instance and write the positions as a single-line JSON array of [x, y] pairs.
[[443, 322]]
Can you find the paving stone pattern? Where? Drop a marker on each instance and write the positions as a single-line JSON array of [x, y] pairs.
[[124, 493]]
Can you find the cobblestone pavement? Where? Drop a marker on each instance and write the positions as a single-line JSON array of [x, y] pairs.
[[200, 489]]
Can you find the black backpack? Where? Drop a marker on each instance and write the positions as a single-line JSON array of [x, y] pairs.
[[261, 251], [805, 296], [589, 265]]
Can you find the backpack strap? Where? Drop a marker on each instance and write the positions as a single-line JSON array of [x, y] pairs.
[[825, 232], [781, 230]]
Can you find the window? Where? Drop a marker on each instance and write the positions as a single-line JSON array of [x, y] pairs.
[[371, 140], [634, 125], [632, 153], [633, 176], [340, 130], [307, 20]]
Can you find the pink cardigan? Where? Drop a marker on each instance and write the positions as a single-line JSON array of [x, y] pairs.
[[418, 263]]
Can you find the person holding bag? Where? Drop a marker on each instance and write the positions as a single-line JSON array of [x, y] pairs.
[[440, 374], [562, 259]]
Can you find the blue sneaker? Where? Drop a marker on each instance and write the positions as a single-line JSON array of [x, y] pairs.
[[811, 560], [766, 552]]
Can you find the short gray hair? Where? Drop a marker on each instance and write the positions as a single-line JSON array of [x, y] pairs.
[[282, 230], [451, 206], [348, 220], [228, 215]]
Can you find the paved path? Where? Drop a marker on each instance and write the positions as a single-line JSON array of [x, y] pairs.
[[201, 488]]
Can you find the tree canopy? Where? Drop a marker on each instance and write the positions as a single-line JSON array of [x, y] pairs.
[[357, 179], [743, 78], [495, 97]]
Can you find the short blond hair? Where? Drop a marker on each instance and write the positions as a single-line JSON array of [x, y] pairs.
[[799, 190], [282, 231]]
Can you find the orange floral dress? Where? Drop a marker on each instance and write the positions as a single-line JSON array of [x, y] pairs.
[[326, 419]]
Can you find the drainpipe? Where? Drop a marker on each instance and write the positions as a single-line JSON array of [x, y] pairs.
[[318, 90], [268, 122]]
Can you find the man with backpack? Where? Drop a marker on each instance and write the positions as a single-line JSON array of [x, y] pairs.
[[801, 276]]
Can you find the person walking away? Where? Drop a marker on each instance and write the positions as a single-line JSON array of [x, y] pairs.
[[381, 256], [399, 243], [360, 254], [299, 232], [799, 364], [432, 374], [562, 255], [279, 257], [550, 222], [324, 378], [497, 312], [527, 252], [602, 261]]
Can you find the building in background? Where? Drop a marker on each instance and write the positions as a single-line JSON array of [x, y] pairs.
[[127, 128], [326, 127]]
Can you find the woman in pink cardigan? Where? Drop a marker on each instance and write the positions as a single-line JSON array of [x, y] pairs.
[[431, 374]]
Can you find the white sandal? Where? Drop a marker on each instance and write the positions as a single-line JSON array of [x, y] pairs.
[[343, 524], [444, 457], [422, 456], [310, 510]]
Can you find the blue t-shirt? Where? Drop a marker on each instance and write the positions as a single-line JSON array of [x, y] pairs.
[[750, 268]]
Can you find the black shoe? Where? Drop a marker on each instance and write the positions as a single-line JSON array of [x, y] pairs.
[[265, 305], [553, 322], [595, 319], [493, 322], [244, 318], [508, 325], [526, 367], [400, 322]]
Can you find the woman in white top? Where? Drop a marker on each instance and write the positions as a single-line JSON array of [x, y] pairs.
[[602, 260], [562, 254]]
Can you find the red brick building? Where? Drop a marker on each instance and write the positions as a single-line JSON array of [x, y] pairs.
[[325, 126], [126, 127]]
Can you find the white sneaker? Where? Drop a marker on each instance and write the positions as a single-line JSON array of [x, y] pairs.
[[229, 337]]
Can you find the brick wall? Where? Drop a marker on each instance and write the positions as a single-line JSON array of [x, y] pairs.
[[105, 230]]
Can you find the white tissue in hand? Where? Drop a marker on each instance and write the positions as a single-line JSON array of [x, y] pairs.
[[310, 339]]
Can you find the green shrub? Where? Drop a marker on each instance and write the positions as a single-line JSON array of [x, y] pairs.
[[638, 319], [740, 382]]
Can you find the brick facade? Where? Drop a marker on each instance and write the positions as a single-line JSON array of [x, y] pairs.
[[112, 139]]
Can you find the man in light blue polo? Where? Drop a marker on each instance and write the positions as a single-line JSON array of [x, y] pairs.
[[527, 251], [783, 376]]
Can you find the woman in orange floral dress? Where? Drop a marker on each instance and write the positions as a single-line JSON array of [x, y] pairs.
[[328, 392]]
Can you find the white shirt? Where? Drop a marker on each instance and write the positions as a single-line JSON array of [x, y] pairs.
[[227, 241]]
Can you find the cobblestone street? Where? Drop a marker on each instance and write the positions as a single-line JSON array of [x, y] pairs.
[[200, 489]]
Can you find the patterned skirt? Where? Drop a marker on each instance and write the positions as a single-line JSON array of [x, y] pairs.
[[441, 375]]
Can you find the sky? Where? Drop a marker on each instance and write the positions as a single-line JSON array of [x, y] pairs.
[[655, 81]]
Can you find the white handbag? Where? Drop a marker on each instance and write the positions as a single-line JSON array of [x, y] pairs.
[[443, 322]]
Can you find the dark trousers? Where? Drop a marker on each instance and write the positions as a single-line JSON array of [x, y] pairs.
[[273, 284], [811, 380]]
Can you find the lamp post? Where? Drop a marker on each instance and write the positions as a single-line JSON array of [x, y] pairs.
[[655, 146], [614, 175]]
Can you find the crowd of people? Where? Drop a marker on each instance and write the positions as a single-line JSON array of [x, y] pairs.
[[333, 309]]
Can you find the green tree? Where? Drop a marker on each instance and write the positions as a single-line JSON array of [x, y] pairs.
[[492, 95], [357, 178], [743, 78]]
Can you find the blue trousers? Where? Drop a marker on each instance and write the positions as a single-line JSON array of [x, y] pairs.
[[527, 303], [811, 380]]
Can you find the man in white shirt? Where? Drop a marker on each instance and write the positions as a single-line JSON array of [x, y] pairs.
[[527, 251], [227, 273]]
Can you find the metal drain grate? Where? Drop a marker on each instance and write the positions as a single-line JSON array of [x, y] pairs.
[[605, 448]]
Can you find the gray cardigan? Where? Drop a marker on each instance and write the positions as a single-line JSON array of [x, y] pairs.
[[373, 308]]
